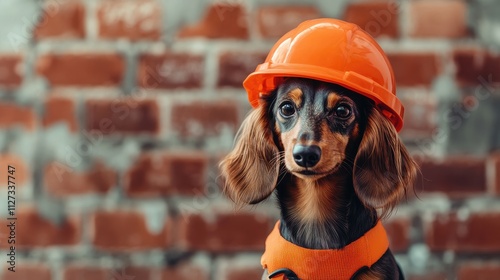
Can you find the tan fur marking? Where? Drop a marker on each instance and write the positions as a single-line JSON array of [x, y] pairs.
[[332, 100], [314, 201], [296, 96]]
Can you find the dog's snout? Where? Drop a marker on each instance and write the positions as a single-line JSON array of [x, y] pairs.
[[306, 156]]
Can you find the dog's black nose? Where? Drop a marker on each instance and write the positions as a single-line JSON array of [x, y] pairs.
[[306, 156]]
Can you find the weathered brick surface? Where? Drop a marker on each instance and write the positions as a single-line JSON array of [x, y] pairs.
[[61, 20], [477, 67], [84, 272], [135, 20], [430, 276], [378, 18], [61, 180], [238, 269], [225, 232], [167, 174], [170, 71], [398, 230], [28, 271], [420, 119], [224, 20], [198, 118], [125, 231], [234, 67], [60, 110], [11, 69], [493, 173], [109, 116], [439, 19], [478, 270], [78, 69], [29, 221], [17, 116], [456, 176], [275, 21], [474, 232], [185, 271], [415, 69]]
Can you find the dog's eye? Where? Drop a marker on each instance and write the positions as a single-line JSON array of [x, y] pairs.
[[343, 111], [287, 110]]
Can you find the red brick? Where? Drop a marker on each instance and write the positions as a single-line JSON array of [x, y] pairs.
[[79, 272], [82, 69], [26, 271], [234, 67], [430, 276], [415, 69], [61, 180], [22, 172], [456, 176], [83, 272], [189, 172], [476, 233], [122, 116], [47, 233], [275, 21], [398, 230], [484, 270], [493, 173], [11, 70], [223, 232], [221, 21], [170, 71], [420, 118], [167, 174], [60, 110], [378, 18], [61, 19], [238, 269], [204, 118], [14, 115], [125, 231], [139, 273], [477, 66], [135, 20], [185, 271], [439, 18]]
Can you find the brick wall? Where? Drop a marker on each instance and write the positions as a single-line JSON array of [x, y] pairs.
[[115, 113]]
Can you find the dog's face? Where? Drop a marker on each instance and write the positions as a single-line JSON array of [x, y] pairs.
[[313, 129], [318, 125]]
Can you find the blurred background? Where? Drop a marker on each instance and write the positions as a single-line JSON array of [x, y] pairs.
[[114, 114]]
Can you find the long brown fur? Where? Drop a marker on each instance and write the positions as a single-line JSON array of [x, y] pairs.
[[251, 168], [364, 168], [383, 168]]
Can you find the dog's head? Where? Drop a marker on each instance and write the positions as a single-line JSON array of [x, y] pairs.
[[314, 129]]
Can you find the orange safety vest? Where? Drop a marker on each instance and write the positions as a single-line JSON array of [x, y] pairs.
[[331, 264]]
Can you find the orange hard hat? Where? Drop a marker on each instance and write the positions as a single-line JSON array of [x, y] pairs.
[[333, 51]]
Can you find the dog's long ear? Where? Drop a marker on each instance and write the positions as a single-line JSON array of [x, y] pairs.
[[251, 169], [383, 168]]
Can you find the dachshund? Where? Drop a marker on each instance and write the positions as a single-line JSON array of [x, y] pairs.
[[335, 163]]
